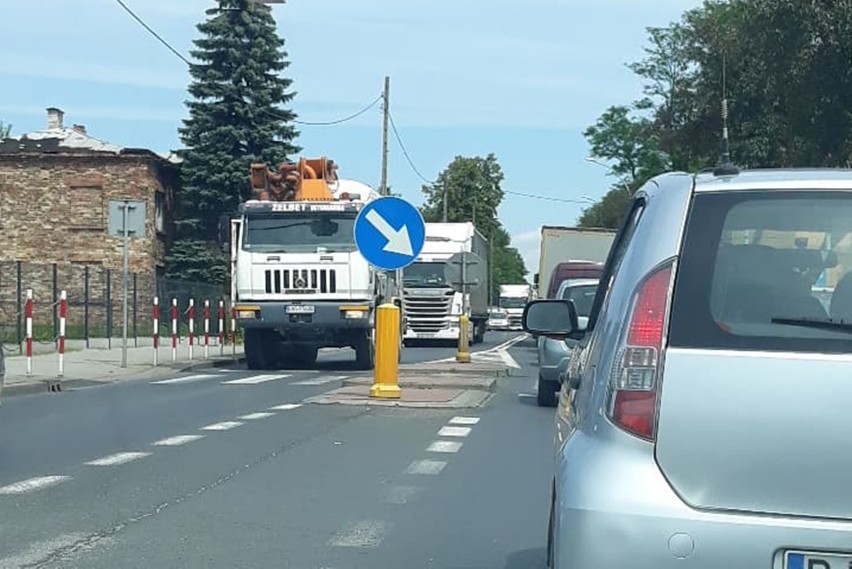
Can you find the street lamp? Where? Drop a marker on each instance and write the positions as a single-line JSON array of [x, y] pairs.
[[594, 160]]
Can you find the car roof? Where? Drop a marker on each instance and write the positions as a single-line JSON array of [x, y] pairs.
[[573, 283], [777, 179]]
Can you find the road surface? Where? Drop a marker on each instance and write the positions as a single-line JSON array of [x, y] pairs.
[[227, 469]]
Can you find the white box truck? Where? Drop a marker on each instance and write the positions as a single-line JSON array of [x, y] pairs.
[[513, 299], [432, 306], [570, 252]]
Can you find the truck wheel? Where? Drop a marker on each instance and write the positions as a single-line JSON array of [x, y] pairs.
[[479, 333], [257, 350], [305, 358], [547, 393], [365, 352]]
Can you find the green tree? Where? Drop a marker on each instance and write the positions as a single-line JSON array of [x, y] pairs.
[[5, 130], [472, 189], [237, 115]]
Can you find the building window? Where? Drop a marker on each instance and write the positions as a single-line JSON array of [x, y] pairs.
[[86, 208], [160, 212]]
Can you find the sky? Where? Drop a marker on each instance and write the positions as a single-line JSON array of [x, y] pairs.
[[521, 79]]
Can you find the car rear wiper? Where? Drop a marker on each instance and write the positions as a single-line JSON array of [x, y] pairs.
[[840, 326]]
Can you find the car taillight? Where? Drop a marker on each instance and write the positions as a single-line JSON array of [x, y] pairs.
[[635, 382]]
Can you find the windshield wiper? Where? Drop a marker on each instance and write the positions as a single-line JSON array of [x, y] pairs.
[[818, 324]]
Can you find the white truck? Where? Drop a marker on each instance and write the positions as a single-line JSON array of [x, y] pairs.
[[298, 282], [570, 253], [432, 306], [513, 299]]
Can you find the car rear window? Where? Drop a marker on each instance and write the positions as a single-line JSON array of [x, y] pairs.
[[583, 297], [766, 270]]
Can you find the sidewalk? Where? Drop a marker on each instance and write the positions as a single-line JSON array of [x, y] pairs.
[[99, 365]]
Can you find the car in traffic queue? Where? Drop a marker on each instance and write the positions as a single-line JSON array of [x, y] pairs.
[[498, 319], [554, 353], [704, 421]]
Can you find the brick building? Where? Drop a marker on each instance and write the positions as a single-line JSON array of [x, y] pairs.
[[55, 189]]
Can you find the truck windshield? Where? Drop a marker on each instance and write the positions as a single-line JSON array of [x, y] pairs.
[[299, 233], [425, 275], [512, 302]]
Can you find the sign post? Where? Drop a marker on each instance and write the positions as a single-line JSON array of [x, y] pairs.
[[465, 271], [126, 218], [389, 233]]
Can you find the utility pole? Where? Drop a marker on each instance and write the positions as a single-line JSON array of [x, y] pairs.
[[383, 189]]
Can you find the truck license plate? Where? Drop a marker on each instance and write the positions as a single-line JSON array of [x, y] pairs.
[[813, 560], [301, 309]]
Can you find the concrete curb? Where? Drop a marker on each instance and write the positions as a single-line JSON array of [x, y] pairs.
[[49, 385], [433, 381], [468, 399], [454, 369]]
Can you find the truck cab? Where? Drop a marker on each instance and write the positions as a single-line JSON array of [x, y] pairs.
[[299, 283]]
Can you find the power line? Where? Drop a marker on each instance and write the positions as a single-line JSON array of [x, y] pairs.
[[405, 152], [177, 53], [151, 31], [345, 119], [519, 194], [547, 198]]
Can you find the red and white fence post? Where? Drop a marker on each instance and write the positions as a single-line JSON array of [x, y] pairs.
[[28, 314], [191, 326], [174, 329], [206, 329], [63, 317], [234, 329], [221, 327], [156, 332]]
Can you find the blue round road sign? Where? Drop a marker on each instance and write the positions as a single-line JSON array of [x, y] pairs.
[[390, 233]]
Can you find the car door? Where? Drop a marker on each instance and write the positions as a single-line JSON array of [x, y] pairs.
[[579, 380]]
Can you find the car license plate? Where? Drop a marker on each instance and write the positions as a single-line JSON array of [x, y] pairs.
[[301, 309], [813, 560]]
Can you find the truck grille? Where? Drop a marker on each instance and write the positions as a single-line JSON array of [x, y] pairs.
[[428, 313], [301, 281]]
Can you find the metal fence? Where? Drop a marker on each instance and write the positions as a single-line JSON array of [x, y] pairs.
[[95, 301]]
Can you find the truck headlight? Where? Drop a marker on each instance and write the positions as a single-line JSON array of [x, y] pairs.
[[247, 312], [355, 311]]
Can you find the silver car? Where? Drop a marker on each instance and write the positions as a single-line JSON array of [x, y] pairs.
[[553, 353], [705, 420]]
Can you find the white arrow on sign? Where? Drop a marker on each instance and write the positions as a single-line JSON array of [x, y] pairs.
[[398, 241]]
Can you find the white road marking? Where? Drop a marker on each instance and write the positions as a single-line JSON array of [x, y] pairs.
[[255, 379], [32, 484], [224, 426], [509, 360], [431, 467], [186, 379], [118, 459], [177, 441], [464, 420], [444, 446], [361, 534], [320, 380], [493, 353], [454, 431], [256, 416], [526, 395], [286, 407], [401, 494]]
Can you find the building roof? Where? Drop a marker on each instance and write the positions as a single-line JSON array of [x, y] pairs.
[[59, 139]]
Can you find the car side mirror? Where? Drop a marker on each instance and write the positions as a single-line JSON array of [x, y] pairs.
[[553, 318]]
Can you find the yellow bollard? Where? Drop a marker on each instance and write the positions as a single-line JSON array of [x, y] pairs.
[[386, 374], [463, 355]]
